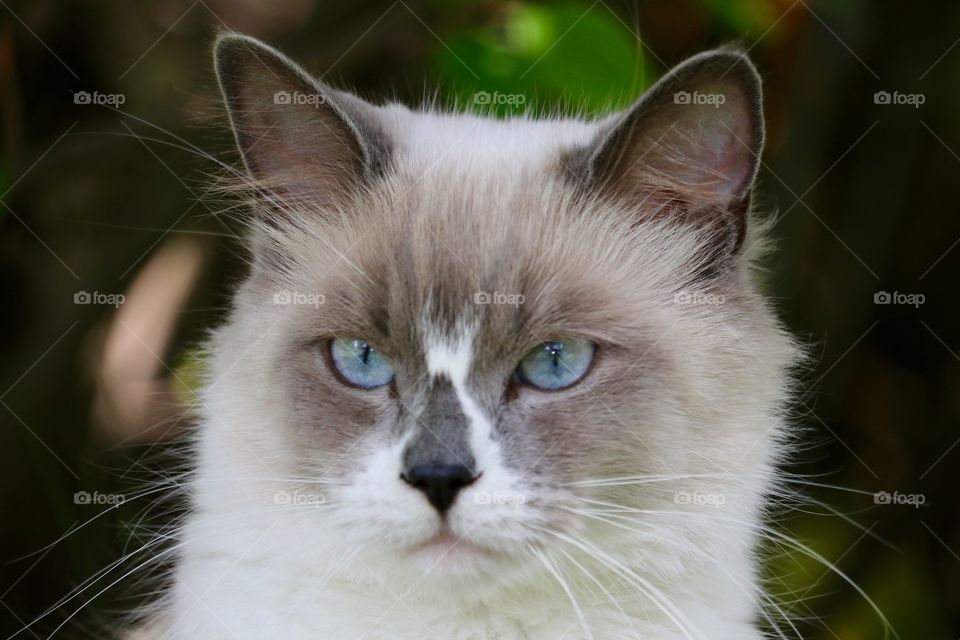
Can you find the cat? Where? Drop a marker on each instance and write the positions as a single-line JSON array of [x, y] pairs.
[[487, 378]]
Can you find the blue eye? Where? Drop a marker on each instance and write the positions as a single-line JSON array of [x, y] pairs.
[[556, 365], [360, 364]]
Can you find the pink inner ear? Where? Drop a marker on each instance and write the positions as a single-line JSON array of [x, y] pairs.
[[712, 153], [305, 153], [728, 144]]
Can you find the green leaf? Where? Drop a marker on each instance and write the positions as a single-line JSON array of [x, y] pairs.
[[536, 57]]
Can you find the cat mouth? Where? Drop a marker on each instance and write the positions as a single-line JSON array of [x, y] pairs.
[[446, 545]]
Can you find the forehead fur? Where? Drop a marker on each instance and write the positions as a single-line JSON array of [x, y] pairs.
[[450, 222]]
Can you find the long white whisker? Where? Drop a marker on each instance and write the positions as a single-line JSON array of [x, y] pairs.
[[606, 592], [644, 586], [770, 532], [566, 589]]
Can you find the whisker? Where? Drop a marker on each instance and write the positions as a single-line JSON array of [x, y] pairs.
[[566, 588]]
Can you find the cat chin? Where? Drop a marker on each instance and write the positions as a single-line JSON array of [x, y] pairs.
[[445, 546], [451, 573], [444, 563]]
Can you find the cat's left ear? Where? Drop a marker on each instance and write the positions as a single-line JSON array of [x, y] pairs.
[[689, 147]]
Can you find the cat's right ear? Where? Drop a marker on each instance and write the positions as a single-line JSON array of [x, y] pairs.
[[304, 144]]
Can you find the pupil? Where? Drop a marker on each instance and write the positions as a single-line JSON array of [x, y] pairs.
[[556, 350], [364, 351]]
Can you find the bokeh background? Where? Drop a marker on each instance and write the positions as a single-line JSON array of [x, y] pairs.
[[105, 197]]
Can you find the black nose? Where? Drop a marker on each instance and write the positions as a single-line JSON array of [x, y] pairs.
[[440, 482]]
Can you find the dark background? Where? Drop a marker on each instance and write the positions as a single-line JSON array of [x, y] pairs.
[[95, 199]]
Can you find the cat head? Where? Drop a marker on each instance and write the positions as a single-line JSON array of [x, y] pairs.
[[467, 342]]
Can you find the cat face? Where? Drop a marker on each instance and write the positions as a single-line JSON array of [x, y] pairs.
[[465, 341]]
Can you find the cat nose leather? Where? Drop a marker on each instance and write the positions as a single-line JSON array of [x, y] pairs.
[[439, 482]]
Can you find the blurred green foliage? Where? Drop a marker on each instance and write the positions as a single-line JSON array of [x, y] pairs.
[[749, 19], [548, 56]]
